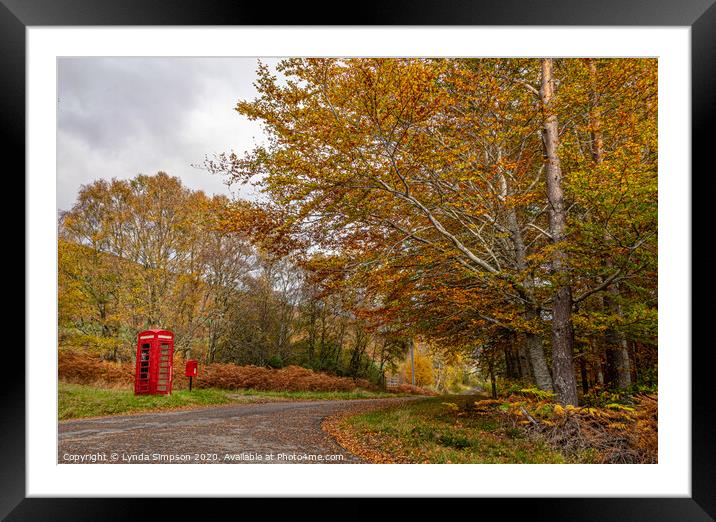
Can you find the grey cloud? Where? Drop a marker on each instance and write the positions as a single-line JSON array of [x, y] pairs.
[[121, 116]]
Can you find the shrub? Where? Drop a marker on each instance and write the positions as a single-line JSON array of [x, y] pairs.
[[275, 362], [293, 378], [78, 368], [409, 388], [615, 433], [536, 393]]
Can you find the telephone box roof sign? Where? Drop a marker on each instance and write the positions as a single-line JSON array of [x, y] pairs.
[[155, 359], [151, 334]]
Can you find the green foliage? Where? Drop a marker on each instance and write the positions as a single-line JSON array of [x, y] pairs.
[[615, 399], [617, 406], [536, 393], [275, 362], [648, 379], [454, 441]]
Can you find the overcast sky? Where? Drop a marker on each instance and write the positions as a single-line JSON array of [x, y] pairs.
[[118, 117]]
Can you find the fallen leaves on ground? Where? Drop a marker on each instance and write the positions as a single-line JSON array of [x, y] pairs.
[[366, 446]]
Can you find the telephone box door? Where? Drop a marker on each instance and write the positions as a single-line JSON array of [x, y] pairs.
[[165, 355]]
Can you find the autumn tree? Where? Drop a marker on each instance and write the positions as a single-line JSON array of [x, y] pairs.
[[442, 181], [364, 173], [502, 210], [145, 253], [562, 333], [610, 154]]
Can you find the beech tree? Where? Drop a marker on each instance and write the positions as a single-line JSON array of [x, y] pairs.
[[441, 183], [562, 332]]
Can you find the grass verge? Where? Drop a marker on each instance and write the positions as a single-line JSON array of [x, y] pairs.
[[437, 431], [79, 401]]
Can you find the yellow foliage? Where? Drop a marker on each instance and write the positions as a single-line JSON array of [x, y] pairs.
[[424, 375]]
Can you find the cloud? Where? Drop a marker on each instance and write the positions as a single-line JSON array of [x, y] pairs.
[[118, 117]]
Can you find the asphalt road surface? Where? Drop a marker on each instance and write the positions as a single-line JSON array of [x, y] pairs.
[[276, 432]]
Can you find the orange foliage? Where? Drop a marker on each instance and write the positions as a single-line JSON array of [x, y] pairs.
[[78, 368], [409, 388], [293, 378], [618, 434]]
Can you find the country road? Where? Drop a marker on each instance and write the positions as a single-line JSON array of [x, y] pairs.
[[276, 432]]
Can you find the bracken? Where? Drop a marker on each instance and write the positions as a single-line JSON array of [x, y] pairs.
[[76, 367]]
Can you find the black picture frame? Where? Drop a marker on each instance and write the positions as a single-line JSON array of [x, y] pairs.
[[699, 15]]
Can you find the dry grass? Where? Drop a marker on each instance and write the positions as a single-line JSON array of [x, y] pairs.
[[77, 368], [295, 378]]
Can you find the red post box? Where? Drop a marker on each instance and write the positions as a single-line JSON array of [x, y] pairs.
[[155, 357], [191, 368]]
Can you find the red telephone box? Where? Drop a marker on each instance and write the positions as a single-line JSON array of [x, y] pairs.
[[155, 357]]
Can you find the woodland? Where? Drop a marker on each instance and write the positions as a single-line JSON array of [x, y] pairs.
[[498, 217]]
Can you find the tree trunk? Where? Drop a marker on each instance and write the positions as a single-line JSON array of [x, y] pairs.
[[565, 383], [595, 116], [616, 341], [212, 345], [635, 366], [311, 334], [583, 374], [493, 383], [534, 345], [412, 361], [600, 372], [523, 359], [512, 370], [540, 370], [562, 364]]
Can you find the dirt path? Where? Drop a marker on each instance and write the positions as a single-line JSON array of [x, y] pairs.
[[278, 432]]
